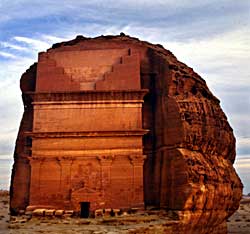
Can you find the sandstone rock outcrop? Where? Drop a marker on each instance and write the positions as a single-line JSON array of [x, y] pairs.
[[115, 122]]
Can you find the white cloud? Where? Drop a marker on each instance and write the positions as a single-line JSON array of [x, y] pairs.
[[10, 94], [7, 55], [243, 162], [33, 43], [13, 46], [188, 17], [230, 50], [244, 141], [242, 166], [11, 101], [54, 39]]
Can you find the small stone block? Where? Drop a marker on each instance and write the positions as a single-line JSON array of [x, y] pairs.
[[107, 212], [124, 213], [30, 208], [98, 213], [59, 213], [116, 211], [38, 212], [49, 212], [69, 212]]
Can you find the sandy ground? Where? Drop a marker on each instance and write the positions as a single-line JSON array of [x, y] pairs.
[[111, 225], [4, 208], [239, 223]]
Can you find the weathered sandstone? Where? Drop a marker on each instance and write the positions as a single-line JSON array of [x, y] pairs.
[[117, 123]]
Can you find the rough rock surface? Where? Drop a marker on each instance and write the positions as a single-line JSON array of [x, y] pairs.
[[189, 147]]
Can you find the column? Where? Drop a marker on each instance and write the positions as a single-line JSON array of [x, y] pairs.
[[105, 162], [138, 192], [35, 163], [66, 165]]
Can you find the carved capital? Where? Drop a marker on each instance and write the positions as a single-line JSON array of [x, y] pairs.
[[36, 160], [137, 160], [105, 159], [66, 160]]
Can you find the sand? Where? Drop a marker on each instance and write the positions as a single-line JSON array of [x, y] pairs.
[[4, 209], [111, 225], [239, 223]]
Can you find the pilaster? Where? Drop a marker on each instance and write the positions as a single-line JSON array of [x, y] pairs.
[[137, 197]]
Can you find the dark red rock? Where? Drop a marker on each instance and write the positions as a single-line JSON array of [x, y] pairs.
[[85, 135]]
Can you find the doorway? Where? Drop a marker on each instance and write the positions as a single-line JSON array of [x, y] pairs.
[[84, 212]]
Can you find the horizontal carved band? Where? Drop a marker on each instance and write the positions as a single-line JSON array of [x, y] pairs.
[[139, 132], [93, 95]]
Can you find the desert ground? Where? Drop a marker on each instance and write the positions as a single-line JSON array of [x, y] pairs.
[[239, 223], [152, 222]]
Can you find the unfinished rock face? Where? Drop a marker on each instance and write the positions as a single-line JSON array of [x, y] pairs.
[[114, 122]]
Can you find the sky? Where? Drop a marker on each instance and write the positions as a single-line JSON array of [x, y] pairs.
[[211, 36]]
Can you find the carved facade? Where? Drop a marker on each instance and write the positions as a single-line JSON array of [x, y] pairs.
[[119, 123]]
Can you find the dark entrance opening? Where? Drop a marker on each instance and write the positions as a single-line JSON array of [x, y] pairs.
[[84, 213]]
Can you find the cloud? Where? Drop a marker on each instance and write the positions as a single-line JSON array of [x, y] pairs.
[[181, 19], [53, 39], [220, 51], [7, 55], [244, 164], [13, 46], [243, 147], [244, 141], [33, 43], [10, 94], [169, 6], [11, 101]]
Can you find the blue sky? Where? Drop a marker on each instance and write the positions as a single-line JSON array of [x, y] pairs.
[[213, 37]]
